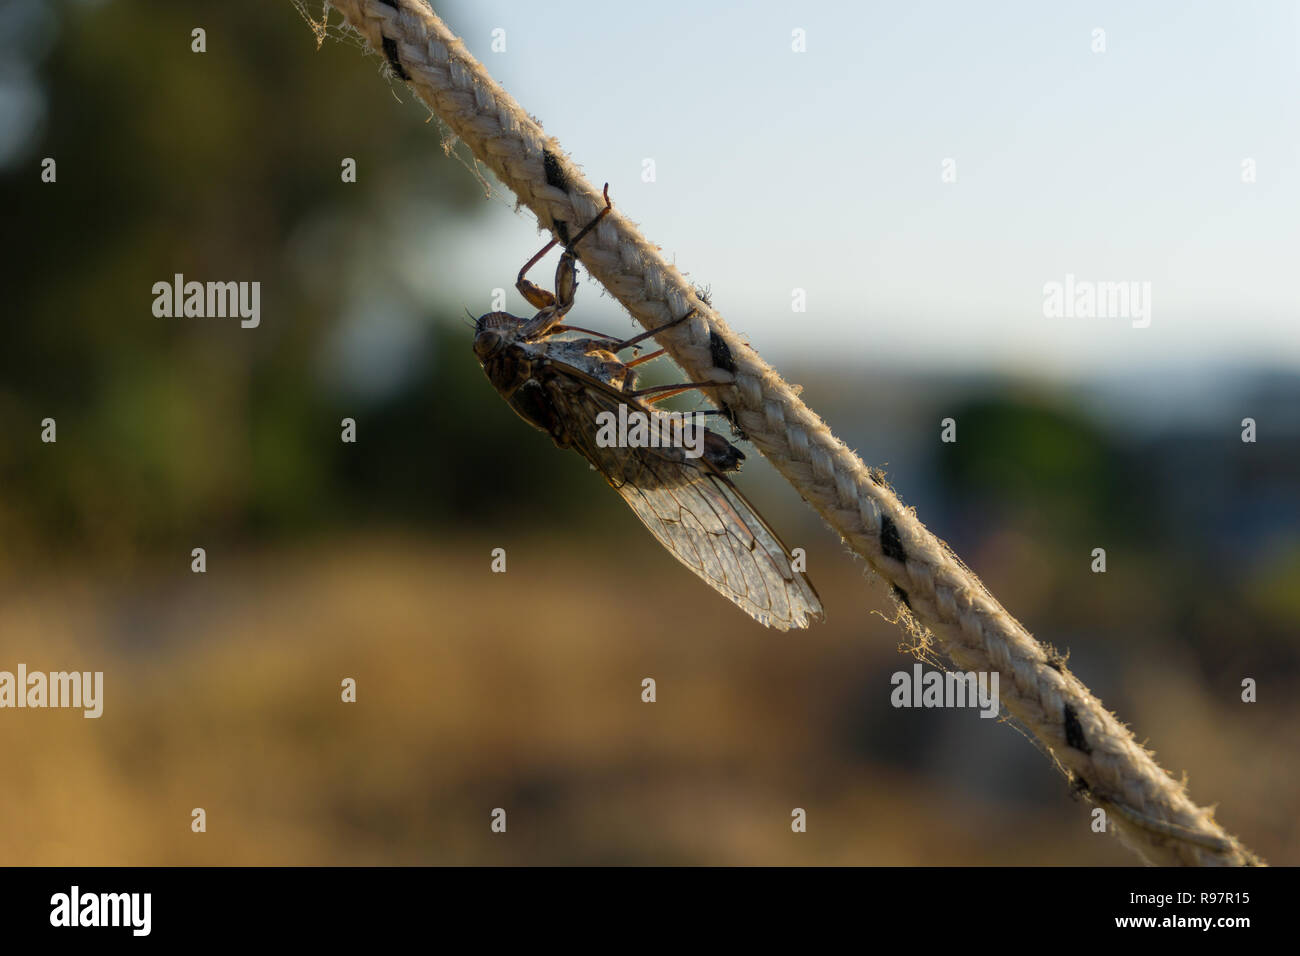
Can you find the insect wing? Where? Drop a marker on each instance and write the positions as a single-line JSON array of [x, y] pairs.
[[690, 507]]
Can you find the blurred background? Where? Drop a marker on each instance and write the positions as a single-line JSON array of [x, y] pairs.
[[773, 170]]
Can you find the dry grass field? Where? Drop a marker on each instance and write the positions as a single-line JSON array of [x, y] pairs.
[[522, 691]]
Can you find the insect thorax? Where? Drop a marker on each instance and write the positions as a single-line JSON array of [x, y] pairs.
[[589, 357]]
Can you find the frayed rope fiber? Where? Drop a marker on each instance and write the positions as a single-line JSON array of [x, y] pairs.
[[1151, 812]]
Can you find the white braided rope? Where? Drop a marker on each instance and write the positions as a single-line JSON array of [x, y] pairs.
[[1151, 811]]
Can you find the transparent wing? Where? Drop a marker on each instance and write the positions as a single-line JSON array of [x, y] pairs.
[[690, 506]]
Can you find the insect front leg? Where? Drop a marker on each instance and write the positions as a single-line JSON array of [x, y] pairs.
[[566, 288], [553, 307], [537, 297]]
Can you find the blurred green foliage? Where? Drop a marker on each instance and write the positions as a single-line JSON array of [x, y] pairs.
[[227, 166], [1041, 459]]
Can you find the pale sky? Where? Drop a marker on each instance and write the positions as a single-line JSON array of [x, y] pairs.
[[821, 170]]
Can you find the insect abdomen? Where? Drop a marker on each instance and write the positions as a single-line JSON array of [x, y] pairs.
[[533, 405]]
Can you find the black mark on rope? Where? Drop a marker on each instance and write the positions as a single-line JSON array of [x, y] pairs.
[[554, 174], [555, 177], [390, 48], [1079, 787], [1074, 731], [721, 353], [390, 51], [902, 596], [890, 543]]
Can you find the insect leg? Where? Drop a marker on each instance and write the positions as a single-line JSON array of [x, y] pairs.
[[592, 225], [556, 329], [650, 357], [637, 339], [554, 307], [535, 294], [668, 391], [624, 343], [566, 273]]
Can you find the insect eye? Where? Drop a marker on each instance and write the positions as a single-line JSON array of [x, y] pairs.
[[487, 342]]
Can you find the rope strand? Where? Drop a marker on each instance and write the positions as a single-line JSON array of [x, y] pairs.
[[1150, 811]]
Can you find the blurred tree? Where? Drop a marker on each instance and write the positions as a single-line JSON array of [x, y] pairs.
[[1032, 461], [226, 165]]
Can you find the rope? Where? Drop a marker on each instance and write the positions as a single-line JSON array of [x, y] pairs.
[[1150, 811]]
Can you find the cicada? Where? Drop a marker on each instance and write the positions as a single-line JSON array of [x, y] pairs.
[[567, 387]]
